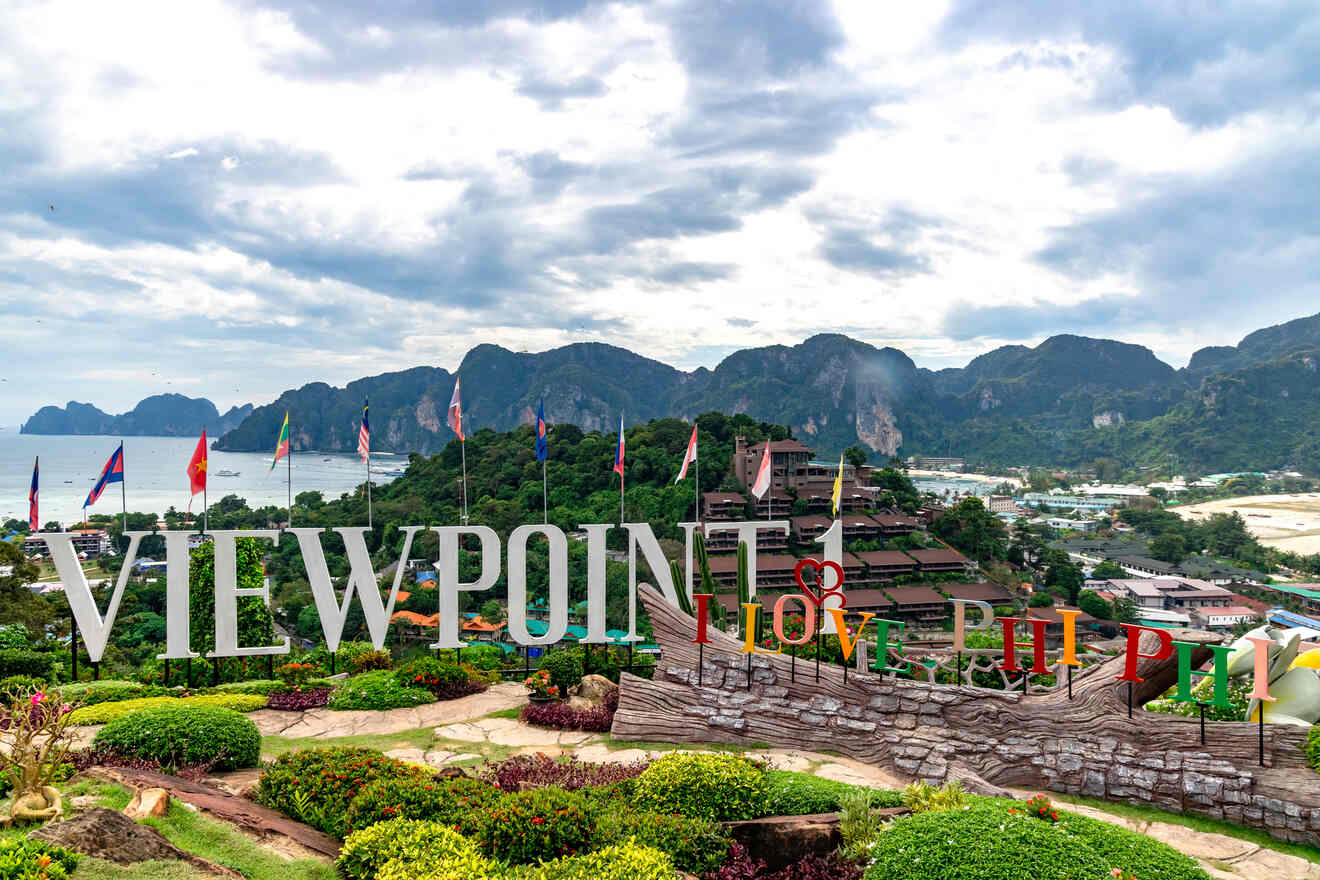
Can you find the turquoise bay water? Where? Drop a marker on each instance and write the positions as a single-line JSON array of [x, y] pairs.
[[155, 477]]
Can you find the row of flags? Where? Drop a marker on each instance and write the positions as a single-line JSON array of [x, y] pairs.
[[113, 472]]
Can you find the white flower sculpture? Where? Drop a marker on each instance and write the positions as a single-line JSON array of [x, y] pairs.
[[1294, 683]]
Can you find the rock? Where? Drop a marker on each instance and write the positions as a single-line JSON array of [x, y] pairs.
[[109, 834], [148, 802], [780, 840], [581, 703], [82, 802], [593, 688]]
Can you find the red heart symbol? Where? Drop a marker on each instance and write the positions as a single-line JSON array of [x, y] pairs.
[[818, 598]]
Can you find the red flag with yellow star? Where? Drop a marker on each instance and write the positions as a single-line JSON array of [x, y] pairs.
[[197, 467]]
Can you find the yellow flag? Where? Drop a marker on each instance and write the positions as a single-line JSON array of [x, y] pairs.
[[838, 487]]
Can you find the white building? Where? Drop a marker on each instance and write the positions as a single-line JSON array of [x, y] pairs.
[[1226, 618]]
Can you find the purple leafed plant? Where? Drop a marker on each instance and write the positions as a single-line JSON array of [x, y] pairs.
[[84, 758], [298, 700], [454, 690], [741, 866], [561, 716], [535, 771], [738, 866]]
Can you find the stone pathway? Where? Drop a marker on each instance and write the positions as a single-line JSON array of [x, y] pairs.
[[1222, 857], [326, 723]]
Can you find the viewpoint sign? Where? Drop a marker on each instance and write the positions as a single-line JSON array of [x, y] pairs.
[[332, 607]]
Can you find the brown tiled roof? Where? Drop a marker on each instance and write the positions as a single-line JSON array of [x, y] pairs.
[[808, 522], [867, 598], [890, 519], [779, 446], [984, 592], [722, 497], [1053, 615], [767, 563], [886, 557], [916, 595], [927, 557]]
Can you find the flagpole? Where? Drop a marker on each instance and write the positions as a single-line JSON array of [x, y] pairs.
[[123, 492], [696, 489], [545, 497], [368, 459], [462, 447], [289, 463], [206, 513]]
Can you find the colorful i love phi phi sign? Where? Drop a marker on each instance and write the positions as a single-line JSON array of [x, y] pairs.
[[823, 599]]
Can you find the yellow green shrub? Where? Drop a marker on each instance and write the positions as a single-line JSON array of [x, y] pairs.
[[103, 713]]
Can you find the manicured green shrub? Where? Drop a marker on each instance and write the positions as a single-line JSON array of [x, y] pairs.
[[23, 859], [89, 693], [703, 786], [564, 666], [377, 690], [263, 687], [371, 661], [998, 840], [314, 785], [419, 843], [103, 713], [695, 845], [446, 801], [1313, 748], [20, 661], [14, 636], [186, 736], [445, 681], [530, 826], [487, 658], [921, 796], [464, 866], [626, 861], [800, 794]]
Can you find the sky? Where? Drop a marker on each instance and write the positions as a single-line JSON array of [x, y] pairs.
[[228, 199]]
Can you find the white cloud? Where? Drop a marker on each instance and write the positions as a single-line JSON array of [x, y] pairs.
[[283, 197]]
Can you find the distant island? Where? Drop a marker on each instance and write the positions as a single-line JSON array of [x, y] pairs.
[[1071, 400], [162, 415]]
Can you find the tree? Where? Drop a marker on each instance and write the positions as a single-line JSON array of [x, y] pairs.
[[972, 529], [1095, 605], [1125, 610], [1169, 547], [1066, 576], [855, 456], [1106, 570], [18, 604], [1159, 493], [492, 611], [1040, 599]]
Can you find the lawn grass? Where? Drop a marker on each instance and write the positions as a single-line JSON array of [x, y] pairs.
[[505, 713], [192, 832], [1143, 813], [418, 738]]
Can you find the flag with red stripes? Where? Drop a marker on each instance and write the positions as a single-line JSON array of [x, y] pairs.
[[688, 457], [364, 433], [455, 417], [34, 521]]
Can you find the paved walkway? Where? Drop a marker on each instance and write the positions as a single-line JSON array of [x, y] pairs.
[[326, 723]]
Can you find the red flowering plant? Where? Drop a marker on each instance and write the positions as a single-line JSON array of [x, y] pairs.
[[531, 826], [539, 684], [1040, 807], [443, 679], [316, 785], [1120, 874], [34, 740]]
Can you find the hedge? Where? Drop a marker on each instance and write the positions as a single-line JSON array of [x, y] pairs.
[[316, 785], [703, 786], [20, 661], [89, 693], [999, 840], [377, 690], [365, 852], [103, 713], [799, 794], [180, 735]]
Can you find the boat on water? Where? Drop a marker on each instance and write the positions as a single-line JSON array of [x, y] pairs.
[[225, 473], [387, 472]]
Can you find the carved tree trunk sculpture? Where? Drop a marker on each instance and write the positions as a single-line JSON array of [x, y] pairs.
[[986, 738]]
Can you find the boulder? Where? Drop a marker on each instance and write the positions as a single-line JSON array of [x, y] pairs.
[[109, 834], [593, 688], [781, 840], [148, 802]]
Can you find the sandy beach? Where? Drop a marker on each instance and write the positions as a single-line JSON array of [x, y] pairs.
[[1288, 522], [959, 475]]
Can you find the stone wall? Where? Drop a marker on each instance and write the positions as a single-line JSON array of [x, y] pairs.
[[988, 739]]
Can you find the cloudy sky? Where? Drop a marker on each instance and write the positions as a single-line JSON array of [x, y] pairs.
[[229, 199]]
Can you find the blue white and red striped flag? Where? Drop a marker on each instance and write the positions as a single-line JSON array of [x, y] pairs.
[[542, 444], [364, 433], [34, 521], [618, 453], [113, 472]]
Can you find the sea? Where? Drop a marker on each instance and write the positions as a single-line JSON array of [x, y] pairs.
[[953, 486], [155, 474]]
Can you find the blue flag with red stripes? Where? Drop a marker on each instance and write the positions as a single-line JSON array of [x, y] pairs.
[[34, 522], [113, 472], [542, 444]]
